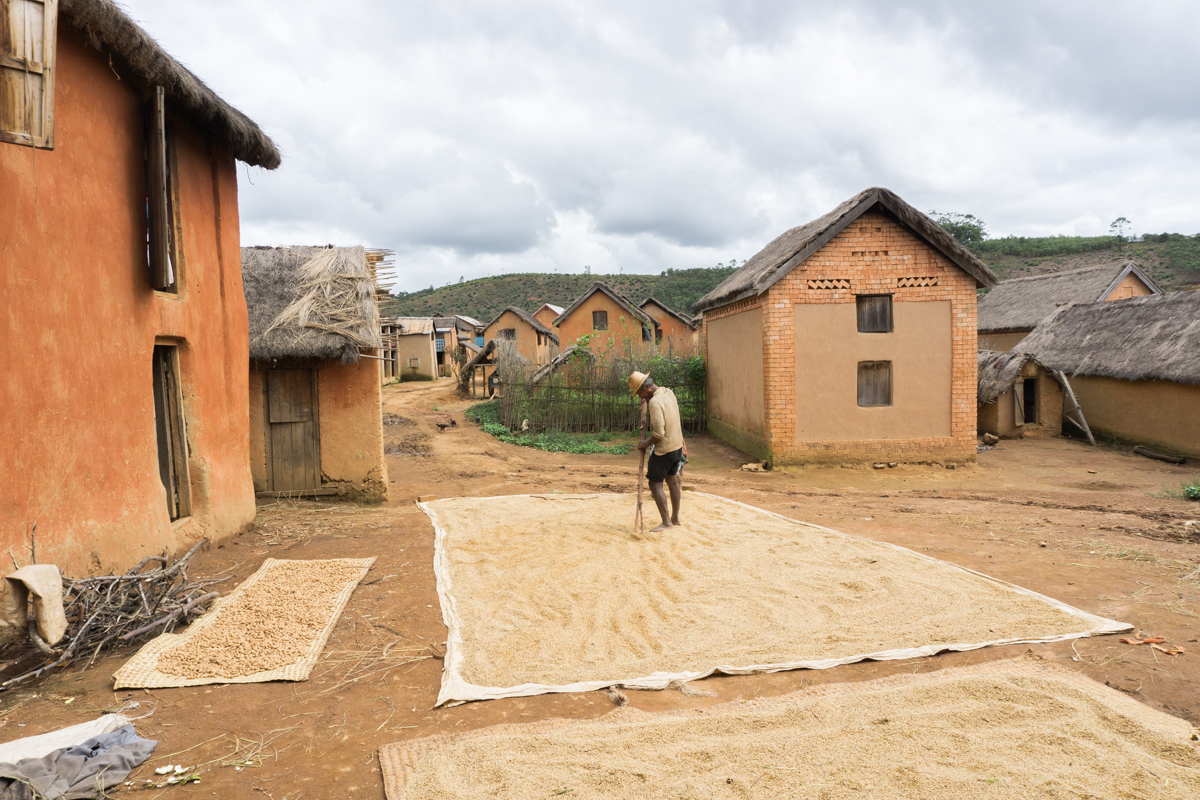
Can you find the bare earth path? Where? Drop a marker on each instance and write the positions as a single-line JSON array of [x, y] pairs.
[[1055, 516]]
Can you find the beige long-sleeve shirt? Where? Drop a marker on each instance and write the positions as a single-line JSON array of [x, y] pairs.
[[664, 421]]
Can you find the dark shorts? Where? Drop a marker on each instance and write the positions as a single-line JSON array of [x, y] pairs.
[[661, 466]]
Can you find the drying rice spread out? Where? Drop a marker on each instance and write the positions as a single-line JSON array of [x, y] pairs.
[[270, 625], [557, 589], [940, 736]]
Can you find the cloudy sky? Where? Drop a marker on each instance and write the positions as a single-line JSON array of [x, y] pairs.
[[489, 136]]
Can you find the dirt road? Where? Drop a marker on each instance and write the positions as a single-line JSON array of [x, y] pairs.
[[1053, 515]]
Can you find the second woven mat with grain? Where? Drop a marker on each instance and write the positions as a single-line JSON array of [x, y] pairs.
[[273, 627]]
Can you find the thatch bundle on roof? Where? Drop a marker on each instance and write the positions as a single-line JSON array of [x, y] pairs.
[[999, 371], [1021, 303], [105, 25], [309, 302], [790, 249], [1156, 337]]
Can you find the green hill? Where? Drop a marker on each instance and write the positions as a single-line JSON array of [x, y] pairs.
[[484, 298], [1171, 259]]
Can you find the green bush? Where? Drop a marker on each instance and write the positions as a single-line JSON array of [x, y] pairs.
[[414, 376], [1192, 490], [1045, 246], [550, 441]]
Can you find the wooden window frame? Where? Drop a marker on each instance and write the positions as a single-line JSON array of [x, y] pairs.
[[599, 320], [171, 430], [507, 334], [865, 322], [164, 256], [23, 119], [864, 391]]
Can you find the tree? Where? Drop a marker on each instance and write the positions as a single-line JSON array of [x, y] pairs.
[[1118, 227], [968, 229]]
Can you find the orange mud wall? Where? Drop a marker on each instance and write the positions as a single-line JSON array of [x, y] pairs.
[[529, 343], [809, 355], [1000, 417], [1132, 286], [734, 389], [546, 317], [1158, 413], [624, 330], [78, 446], [350, 421], [676, 337]]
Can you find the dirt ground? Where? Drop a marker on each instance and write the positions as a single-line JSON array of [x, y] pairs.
[[1051, 514]]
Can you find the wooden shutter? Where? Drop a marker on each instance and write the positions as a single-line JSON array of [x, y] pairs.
[[1018, 391], [599, 320], [874, 383], [156, 191], [874, 313], [27, 37]]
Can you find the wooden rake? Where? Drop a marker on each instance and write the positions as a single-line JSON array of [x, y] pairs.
[[639, 524]]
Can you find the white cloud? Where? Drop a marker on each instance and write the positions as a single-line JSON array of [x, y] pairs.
[[482, 137]]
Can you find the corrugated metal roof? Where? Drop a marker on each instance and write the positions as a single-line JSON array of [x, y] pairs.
[[412, 325], [471, 321]]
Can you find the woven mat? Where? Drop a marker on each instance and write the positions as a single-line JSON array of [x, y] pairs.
[[554, 593], [141, 671], [872, 721]]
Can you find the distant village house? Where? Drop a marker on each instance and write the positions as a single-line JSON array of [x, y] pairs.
[[1014, 307], [409, 349], [674, 332], [848, 339], [1017, 395], [547, 314], [315, 402], [1132, 364], [610, 322], [120, 192], [518, 329]]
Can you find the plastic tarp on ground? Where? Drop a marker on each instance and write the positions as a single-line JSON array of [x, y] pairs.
[[456, 688]]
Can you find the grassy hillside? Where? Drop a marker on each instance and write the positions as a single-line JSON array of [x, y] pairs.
[[1171, 259], [484, 298]]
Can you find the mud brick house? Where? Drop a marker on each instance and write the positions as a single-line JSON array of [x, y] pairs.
[[547, 314], [534, 341], [1132, 364], [119, 250], [673, 332], [1018, 395], [409, 348], [610, 322], [849, 339], [1014, 307], [316, 411]]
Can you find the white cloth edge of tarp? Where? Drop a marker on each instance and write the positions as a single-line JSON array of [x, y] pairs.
[[456, 690], [46, 743]]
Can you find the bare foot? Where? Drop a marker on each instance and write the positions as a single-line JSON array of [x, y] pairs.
[[666, 526], [675, 522]]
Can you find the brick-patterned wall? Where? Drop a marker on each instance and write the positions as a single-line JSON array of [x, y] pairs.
[[1130, 287], [875, 254]]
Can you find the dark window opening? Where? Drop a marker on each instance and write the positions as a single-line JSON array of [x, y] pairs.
[[658, 334], [509, 334], [874, 383], [171, 435], [599, 320], [874, 313], [161, 252], [645, 334]]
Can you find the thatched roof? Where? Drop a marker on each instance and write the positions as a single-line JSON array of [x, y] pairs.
[[526, 317], [1156, 337], [105, 25], [790, 249], [620, 300], [309, 302], [566, 355], [998, 372], [684, 318], [1021, 303]]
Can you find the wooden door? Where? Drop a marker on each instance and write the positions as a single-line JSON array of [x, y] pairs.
[[294, 449]]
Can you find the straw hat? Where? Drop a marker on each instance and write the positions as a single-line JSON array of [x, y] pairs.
[[635, 381]]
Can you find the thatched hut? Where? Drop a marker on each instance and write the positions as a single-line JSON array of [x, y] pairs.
[[1017, 395], [315, 409], [1133, 364], [1014, 307]]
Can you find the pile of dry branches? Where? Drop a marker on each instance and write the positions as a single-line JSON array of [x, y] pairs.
[[107, 611]]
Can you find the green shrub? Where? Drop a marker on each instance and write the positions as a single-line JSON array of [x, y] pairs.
[[1192, 490], [549, 441], [414, 376]]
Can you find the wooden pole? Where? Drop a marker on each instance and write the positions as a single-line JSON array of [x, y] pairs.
[[639, 524]]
